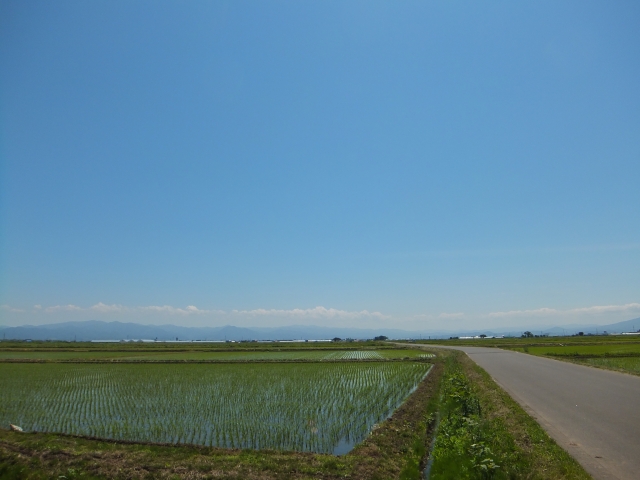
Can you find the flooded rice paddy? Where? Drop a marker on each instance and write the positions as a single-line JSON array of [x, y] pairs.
[[302, 354], [316, 407]]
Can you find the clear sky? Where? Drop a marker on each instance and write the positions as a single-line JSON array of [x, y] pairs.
[[356, 163]]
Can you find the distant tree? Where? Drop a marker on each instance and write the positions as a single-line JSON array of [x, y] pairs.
[[381, 338], [336, 339], [483, 335], [527, 334], [581, 333]]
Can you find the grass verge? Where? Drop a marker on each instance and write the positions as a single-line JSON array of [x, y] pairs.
[[484, 434]]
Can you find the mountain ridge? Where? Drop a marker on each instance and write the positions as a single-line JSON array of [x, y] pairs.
[[100, 330]]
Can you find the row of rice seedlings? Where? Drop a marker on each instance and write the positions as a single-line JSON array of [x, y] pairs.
[[426, 355], [228, 356], [307, 407], [274, 355], [291, 355], [353, 355]]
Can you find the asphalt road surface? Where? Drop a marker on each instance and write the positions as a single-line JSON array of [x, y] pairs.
[[594, 414]]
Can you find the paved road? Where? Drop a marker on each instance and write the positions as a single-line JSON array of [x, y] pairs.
[[594, 414]]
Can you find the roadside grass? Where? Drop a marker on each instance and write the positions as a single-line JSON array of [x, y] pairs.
[[527, 451], [484, 434]]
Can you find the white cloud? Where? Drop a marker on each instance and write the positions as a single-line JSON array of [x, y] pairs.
[[317, 312], [608, 308], [548, 312], [169, 310], [115, 309], [524, 313], [102, 308], [9, 308], [196, 310], [321, 312]]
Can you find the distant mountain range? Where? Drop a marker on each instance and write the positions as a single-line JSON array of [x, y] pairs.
[[98, 330]]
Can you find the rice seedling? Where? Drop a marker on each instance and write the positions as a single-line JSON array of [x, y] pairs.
[[318, 407], [354, 355], [150, 355]]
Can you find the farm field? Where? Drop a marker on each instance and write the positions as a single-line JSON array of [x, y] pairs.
[[623, 357], [294, 413], [584, 350], [519, 342], [151, 355], [161, 346], [316, 407], [624, 364]]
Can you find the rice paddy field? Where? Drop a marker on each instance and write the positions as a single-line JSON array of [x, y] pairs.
[[625, 364], [519, 342], [585, 350], [204, 355], [316, 407], [130, 411]]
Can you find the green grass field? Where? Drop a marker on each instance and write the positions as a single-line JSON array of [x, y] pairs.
[[584, 350], [320, 407], [515, 342], [623, 357], [627, 365]]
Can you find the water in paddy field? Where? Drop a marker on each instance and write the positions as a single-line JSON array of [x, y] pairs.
[[344, 446], [321, 407]]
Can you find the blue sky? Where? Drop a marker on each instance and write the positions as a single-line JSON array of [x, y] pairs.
[[409, 164]]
